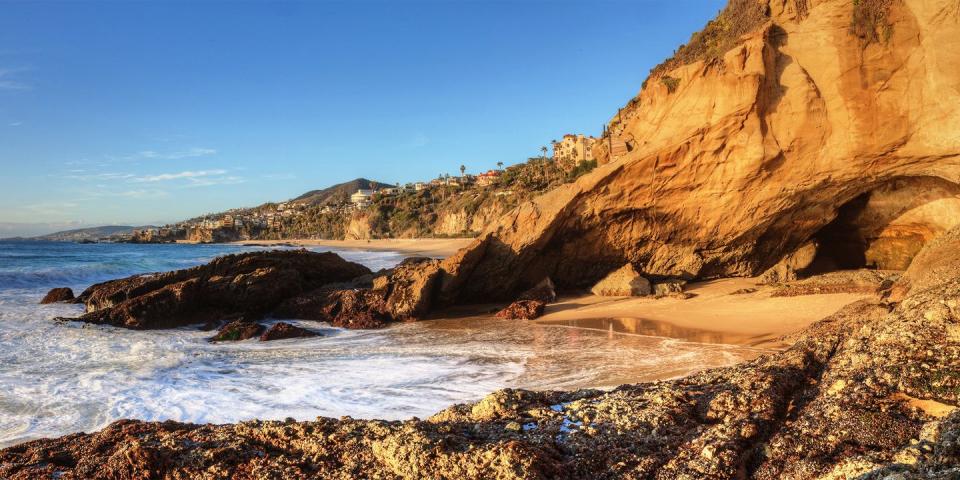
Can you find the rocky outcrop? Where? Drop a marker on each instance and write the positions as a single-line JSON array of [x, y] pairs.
[[623, 282], [249, 285], [357, 309], [412, 287], [522, 310], [846, 281], [283, 331], [937, 262], [802, 131], [869, 392], [57, 295], [238, 330]]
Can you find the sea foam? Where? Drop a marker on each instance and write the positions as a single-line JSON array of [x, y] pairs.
[[58, 378]]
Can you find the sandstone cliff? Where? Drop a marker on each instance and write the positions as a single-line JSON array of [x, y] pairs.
[[809, 128]]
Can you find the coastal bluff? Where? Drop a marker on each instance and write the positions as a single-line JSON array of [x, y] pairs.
[[808, 129]]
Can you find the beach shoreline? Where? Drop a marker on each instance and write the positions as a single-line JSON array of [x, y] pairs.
[[715, 315]]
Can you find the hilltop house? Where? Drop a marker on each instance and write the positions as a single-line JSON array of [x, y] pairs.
[[362, 197], [573, 149], [488, 178]]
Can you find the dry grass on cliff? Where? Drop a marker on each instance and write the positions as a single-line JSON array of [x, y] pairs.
[[871, 21], [720, 35]]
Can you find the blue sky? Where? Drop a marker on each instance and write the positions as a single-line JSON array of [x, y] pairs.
[[140, 112]]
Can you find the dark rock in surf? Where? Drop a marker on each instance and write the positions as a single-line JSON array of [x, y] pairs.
[[238, 330], [357, 309], [249, 285], [58, 295], [283, 330]]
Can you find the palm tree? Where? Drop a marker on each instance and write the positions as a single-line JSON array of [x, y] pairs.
[[463, 170], [499, 165], [544, 150]]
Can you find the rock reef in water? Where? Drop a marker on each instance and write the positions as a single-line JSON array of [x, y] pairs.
[[284, 331], [248, 285]]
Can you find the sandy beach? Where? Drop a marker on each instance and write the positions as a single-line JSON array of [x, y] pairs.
[[431, 247], [714, 315]]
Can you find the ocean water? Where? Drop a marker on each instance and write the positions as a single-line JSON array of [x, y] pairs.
[[59, 378]]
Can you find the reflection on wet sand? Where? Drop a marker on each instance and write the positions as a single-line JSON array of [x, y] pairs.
[[554, 356], [654, 328]]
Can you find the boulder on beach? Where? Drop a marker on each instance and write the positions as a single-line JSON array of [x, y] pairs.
[[522, 310], [624, 282], [668, 287], [57, 295], [283, 330], [248, 284], [238, 330]]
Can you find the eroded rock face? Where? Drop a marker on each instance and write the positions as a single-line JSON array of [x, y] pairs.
[[749, 157], [623, 282], [790, 267], [249, 284], [937, 262], [57, 295]]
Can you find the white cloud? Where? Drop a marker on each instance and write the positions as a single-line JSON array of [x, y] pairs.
[[8, 83], [14, 124], [211, 181], [77, 174], [176, 155], [174, 176]]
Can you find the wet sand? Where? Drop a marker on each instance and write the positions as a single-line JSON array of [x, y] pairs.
[[430, 247], [714, 315]]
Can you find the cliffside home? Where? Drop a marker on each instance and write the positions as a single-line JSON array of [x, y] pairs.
[[488, 178], [362, 197], [573, 149]]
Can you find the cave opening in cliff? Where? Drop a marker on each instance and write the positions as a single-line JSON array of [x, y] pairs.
[[885, 227]]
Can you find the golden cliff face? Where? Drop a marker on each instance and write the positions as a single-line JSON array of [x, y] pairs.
[[733, 163]]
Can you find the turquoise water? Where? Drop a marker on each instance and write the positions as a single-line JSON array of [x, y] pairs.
[[59, 378]]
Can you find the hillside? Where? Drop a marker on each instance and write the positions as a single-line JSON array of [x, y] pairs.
[[443, 207], [338, 193], [86, 234]]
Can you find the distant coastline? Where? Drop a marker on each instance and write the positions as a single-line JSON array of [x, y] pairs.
[[430, 247]]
